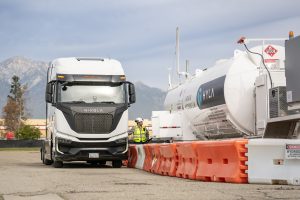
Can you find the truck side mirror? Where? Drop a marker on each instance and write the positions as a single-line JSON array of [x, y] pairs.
[[132, 97], [49, 88], [49, 92], [48, 98]]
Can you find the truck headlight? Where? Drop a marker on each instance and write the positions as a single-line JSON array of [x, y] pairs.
[[63, 141], [122, 140], [121, 148]]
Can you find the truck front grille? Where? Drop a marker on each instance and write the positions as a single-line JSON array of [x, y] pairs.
[[93, 123]]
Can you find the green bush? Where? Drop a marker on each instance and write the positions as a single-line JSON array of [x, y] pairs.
[[28, 132]]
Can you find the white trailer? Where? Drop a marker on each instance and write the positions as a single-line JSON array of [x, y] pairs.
[[87, 111], [230, 99]]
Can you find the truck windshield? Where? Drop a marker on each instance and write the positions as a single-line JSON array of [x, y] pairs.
[[91, 93]]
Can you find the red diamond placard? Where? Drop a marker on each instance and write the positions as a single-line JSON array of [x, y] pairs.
[[271, 50]]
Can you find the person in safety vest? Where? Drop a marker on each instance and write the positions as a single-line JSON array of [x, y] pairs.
[[140, 133]]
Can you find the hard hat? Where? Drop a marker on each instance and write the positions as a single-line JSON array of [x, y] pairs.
[[139, 119]]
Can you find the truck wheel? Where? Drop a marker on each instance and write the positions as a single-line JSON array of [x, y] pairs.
[[58, 164], [117, 163], [42, 155], [45, 160]]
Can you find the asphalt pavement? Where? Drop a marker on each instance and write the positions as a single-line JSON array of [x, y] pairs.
[[24, 177]]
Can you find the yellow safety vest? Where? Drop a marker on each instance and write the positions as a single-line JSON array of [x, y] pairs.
[[139, 134]]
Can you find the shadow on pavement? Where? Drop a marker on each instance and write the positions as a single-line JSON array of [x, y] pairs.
[[69, 165]]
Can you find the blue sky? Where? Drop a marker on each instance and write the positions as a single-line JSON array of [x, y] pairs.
[[141, 34]]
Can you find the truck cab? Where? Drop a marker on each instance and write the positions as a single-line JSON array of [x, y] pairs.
[[87, 111]]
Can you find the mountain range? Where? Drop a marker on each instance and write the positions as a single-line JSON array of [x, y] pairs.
[[33, 74]]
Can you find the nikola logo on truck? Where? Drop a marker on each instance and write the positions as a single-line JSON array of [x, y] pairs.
[[211, 93], [93, 110]]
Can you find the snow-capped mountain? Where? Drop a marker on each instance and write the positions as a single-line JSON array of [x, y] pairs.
[[33, 74], [148, 99], [22, 67]]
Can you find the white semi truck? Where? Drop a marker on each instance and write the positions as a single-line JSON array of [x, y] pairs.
[[87, 111], [248, 95]]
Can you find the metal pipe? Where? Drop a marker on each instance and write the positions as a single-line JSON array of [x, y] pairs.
[[177, 51], [169, 77], [186, 68]]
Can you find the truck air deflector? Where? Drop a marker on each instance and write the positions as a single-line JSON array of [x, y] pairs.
[[90, 78]]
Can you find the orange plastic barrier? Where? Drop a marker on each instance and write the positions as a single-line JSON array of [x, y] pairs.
[[169, 159], [222, 161], [148, 157], [187, 165], [156, 159], [132, 156]]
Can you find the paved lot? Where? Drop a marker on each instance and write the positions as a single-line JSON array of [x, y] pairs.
[[23, 177]]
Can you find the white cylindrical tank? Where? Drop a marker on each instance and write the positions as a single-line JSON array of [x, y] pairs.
[[219, 102]]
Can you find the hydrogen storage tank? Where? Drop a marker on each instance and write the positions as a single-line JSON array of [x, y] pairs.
[[219, 102]]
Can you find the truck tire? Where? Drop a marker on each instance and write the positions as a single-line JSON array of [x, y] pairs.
[[58, 164], [41, 151], [45, 160], [117, 163]]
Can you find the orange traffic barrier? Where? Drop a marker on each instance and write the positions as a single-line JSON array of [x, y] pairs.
[[222, 161], [187, 165], [156, 159], [148, 157], [132, 156], [169, 159]]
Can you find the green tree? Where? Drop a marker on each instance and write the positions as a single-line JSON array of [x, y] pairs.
[[28, 132], [14, 110]]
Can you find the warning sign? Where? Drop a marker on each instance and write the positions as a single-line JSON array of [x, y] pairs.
[[292, 151], [271, 50]]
